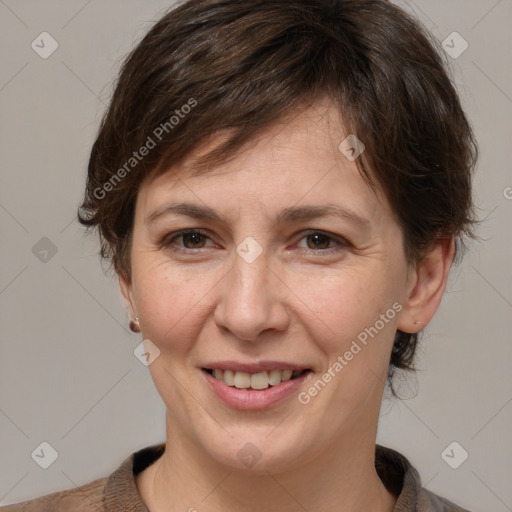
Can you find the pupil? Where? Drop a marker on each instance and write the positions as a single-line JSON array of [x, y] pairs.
[[318, 238], [195, 238]]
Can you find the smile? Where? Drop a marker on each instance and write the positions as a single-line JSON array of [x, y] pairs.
[[254, 386], [255, 381]]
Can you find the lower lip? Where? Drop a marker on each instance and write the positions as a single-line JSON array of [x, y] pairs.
[[254, 400]]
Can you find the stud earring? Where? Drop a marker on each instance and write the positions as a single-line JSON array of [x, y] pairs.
[[134, 325]]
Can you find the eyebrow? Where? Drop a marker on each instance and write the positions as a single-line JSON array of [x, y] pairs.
[[291, 214]]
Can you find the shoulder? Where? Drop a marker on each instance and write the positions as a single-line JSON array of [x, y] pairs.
[[88, 498], [431, 502], [402, 479], [116, 493]]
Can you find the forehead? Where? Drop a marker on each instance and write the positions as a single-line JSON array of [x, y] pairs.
[[299, 160]]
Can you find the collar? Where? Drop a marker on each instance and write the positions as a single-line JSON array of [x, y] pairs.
[[395, 471]]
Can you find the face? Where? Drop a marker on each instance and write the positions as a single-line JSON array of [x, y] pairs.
[[289, 263]]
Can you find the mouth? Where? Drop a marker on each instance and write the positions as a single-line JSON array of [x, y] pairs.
[[258, 381]]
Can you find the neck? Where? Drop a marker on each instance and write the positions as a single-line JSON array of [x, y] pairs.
[[341, 479]]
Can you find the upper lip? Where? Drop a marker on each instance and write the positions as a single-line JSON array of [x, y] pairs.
[[255, 367]]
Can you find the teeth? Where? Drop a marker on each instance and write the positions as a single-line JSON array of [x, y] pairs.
[[274, 377], [242, 380], [229, 377], [287, 375], [261, 380]]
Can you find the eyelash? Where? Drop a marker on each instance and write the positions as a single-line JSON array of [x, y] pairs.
[[167, 241]]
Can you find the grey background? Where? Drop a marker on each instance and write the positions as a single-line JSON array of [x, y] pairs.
[[68, 375]]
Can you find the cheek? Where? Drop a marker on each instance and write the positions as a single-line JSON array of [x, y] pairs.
[[354, 325], [356, 341], [170, 301], [344, 304]]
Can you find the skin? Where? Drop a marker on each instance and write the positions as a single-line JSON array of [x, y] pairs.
[[302, 300]]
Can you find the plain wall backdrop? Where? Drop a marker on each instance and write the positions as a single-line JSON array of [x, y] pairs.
[[68, 375]]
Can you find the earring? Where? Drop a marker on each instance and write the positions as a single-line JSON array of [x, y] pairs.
[[417, 322], [134, 325]]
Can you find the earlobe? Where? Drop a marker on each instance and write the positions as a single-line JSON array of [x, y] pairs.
[[427, 284], [125, 287]]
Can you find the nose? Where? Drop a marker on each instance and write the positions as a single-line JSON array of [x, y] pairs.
[[252, 301]]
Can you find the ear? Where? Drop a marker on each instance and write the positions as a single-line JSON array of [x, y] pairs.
[[126, 288], [426, 285]]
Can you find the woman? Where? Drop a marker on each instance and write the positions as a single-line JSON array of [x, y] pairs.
[[281, 188]]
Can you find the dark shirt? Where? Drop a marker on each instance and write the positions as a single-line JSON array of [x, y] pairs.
[[118, 492]]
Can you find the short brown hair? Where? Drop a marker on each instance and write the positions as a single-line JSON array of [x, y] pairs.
[[231, 64]]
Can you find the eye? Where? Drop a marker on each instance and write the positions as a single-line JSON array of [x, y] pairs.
[[191, 239], [318, 241], [194, 239]]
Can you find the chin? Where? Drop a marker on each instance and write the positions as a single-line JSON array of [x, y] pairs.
[[250, 451]]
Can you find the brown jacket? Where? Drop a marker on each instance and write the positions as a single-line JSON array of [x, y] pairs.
[[118, 492]]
